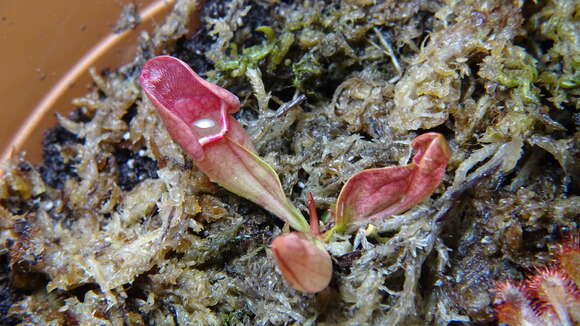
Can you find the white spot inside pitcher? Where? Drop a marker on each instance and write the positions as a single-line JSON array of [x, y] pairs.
[[48, 206], [204, 123]]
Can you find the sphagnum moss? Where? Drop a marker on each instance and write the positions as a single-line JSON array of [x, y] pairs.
[[497, 79]]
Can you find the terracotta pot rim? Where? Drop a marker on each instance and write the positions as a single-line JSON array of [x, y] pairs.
[[46, 105]]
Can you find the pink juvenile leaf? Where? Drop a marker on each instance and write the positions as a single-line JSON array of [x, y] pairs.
[[242, 172], [303, 261], [197, 115], [379, 193]]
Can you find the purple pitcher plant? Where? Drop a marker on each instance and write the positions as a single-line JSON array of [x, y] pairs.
[[198, 116]]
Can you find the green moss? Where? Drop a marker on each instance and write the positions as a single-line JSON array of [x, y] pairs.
[[513, 124], [273, 50], [280, 50], [518, 70], [557, 22], [307, 67]]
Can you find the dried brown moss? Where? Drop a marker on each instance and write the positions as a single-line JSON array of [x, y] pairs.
[[118, 227]]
